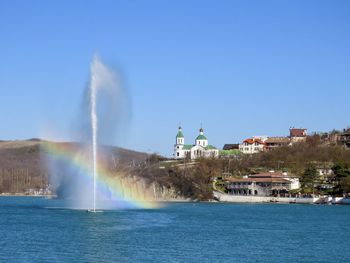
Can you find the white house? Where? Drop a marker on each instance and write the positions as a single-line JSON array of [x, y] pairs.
[[252, 145], [201, 148]]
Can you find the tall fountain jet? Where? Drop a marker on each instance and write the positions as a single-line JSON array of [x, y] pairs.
[[82, 174], [93, 91], [103, 82]]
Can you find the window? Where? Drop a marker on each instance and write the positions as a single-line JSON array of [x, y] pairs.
[[177, 154]]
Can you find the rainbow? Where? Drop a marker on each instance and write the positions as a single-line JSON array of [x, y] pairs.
[[111, 185]]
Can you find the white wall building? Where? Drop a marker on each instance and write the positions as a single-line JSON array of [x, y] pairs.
[[252, 145], [201, 148], [264, 184]]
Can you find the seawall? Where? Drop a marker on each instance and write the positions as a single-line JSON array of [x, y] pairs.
[[263, 199]]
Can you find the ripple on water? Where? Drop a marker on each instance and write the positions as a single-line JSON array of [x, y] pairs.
[[183, 232]]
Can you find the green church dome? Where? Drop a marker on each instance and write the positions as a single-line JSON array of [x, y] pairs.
[[179, 134], [201, 137]]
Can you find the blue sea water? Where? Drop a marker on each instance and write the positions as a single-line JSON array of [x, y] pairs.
[[36, 230]]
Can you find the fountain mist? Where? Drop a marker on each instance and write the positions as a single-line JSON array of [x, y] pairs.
[[80, 168], [102, 80]]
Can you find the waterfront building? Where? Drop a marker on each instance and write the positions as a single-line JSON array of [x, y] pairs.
[[264, 184], [201, 148]]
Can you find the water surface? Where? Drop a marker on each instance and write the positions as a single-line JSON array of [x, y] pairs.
[[37, 230]]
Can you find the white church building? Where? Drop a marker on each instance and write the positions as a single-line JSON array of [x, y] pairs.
[[201, 148]]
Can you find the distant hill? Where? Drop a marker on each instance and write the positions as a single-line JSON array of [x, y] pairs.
[[24, 170], [22, 164]]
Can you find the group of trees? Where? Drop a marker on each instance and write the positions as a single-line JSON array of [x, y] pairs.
[[340, 180], [18, 180], [295, 159], [20, 168], [302, 159], [188, 180]]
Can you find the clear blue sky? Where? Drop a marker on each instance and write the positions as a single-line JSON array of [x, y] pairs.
[[241, 68]]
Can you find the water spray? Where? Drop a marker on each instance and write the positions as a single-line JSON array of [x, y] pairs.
[[93, 91], [76, 172]]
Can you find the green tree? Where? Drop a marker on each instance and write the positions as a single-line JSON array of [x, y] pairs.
[[341, 171], [342, 177], [308, 179], [345, 185]]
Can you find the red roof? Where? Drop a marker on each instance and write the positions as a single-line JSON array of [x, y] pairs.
[[272, 175], [257, 180], [253, 140], [297, 132]]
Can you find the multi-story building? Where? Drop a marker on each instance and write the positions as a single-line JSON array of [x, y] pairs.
[[252, 145], [264, 184], [275, 142], [261, 143], [297, 135], [201, 148], [345, 138]]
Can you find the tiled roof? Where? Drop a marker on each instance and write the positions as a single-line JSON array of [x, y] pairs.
[[277, 140], [231, 146], [253, 140], [272, 175], [257, 180], [297, 132]]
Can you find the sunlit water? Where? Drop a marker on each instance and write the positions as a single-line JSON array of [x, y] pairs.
[[37, 230]]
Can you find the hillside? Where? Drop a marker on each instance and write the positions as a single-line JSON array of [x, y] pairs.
[[23, 166]]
